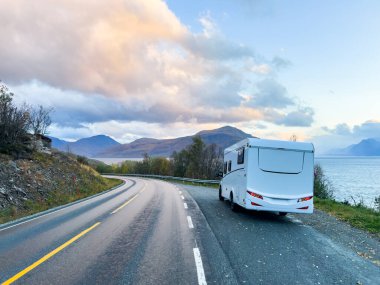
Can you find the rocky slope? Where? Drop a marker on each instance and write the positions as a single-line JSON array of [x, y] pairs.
[[43, 181]]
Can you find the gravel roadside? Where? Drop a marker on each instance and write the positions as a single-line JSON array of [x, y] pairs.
[[362, 243]]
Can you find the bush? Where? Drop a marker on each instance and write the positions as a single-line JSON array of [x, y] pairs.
[[322, 186], [377, 203], [16, 122], [82, 160]]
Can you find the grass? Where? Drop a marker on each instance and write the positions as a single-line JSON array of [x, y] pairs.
[[59, 197], [357, 216]]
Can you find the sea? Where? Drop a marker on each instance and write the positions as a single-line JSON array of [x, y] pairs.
[[353, 179]]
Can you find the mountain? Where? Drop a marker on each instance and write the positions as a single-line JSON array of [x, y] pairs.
[[58, 143], [89, 147], [222, 137], [367, 147]]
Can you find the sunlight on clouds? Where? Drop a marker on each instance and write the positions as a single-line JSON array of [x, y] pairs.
[[118, 62]]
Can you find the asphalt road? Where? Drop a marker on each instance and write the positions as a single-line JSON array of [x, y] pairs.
[[154, 232], [264, 248]]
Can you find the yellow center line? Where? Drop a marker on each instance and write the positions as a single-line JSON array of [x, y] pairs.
[[125, 204], [49, 255]]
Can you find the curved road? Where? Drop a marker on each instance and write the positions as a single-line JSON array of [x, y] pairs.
[[154, 232]]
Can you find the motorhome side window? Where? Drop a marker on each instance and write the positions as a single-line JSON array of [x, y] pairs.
[[229, 166], [240, 157], [225, 168]]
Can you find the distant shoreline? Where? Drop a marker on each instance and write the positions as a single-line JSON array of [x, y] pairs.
[[116, 160]]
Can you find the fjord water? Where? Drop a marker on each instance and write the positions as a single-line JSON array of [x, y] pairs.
[[353, 177]]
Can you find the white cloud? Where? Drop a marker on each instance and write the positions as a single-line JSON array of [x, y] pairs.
[[120, 61], [343, 135]]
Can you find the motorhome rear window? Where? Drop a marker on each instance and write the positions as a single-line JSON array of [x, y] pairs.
[[240, 157], [229, 165]]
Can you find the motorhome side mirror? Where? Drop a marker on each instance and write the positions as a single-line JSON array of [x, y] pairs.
[[219, 174]]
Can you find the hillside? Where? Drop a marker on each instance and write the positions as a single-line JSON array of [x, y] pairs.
[[222, 137], [43, 181], [367, 147], [89, 147]]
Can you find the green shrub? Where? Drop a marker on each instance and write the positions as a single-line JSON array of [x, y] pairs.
[[82, 159], [322, 186], [377, 203]]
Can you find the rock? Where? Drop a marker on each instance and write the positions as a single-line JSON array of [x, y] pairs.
[[13, 164]]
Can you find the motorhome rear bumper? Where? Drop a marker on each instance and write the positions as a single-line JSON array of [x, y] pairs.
[[279, 205]]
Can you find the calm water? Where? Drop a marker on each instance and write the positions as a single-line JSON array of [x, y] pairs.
[[357, 177]]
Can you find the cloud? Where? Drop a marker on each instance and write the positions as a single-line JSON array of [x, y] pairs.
[[340, 129], [212, 44], [71, 108], [261, 68], [302, 117], [280, 63], [271, 94], [134, 61], [343, 135], [368, 129]]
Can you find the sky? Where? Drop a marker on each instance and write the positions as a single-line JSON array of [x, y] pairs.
[[163, 69]]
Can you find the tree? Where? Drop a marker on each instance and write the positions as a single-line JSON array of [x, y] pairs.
[[14, 123], [195, 156], [293, 138], [40, 120], [179, 163], [211, 161]]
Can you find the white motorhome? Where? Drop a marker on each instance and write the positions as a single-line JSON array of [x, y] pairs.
[[269, 175]]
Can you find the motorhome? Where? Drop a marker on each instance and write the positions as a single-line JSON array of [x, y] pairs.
[[269, 175]]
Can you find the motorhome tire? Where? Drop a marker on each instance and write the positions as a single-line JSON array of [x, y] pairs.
[[221, 198], [232, 203]]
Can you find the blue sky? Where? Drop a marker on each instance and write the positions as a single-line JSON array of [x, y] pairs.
[[333, 48], [149, 68]]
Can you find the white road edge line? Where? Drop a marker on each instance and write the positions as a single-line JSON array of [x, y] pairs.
[[190, 222], [183, 198], [185, 205], [199, 265]]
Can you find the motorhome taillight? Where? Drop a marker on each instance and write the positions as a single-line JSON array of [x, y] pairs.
[[305, 199], [255, 204], [253, 194], [303, 208]]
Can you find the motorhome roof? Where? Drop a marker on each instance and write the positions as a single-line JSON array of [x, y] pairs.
[[253, 142]]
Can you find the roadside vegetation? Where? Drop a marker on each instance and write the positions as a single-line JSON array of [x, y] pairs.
[[198, 161], [44, 181], [33, 177], [356, 214], [20, 125]]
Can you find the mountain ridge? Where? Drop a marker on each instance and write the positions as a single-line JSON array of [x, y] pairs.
[[86, 146], [366, 147], [222, 137]]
